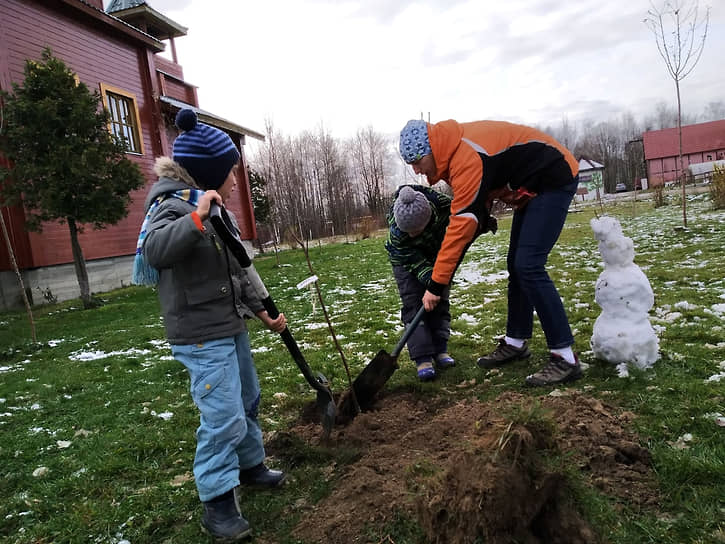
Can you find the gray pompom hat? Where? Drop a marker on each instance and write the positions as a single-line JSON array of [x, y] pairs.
[[411, 210]]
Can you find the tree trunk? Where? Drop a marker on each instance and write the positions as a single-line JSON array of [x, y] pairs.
[[14, 264], [682, 166], [80, 265]]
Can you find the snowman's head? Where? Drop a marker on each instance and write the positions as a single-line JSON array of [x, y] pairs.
[[617, 251], [615, 247], [605, 227]]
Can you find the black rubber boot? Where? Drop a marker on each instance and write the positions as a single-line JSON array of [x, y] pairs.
[[223, 520], [262, 477]]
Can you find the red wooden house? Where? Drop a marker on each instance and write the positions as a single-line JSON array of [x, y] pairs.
[[703, 142], [117, 52]]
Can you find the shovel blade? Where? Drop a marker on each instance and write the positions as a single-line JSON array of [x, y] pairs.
[[328, 412], [368, 384]]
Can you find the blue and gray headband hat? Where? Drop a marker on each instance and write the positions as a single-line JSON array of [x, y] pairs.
[[414, 143], [207, 153]]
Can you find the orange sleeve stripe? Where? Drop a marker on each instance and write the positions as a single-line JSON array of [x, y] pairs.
[[197, 221]]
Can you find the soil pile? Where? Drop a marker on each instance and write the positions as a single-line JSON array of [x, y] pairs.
[[495, 470]]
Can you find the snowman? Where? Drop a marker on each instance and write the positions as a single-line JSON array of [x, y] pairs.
[[622, 333]]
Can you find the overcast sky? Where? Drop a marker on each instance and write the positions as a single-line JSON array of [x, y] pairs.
[[350, 64]]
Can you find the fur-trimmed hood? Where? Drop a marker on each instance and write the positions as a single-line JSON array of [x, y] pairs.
[[166, 167], [172, 177]]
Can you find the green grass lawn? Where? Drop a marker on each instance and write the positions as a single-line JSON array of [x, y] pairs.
[[98, 426]]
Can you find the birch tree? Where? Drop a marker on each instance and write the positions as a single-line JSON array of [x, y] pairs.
[[680, 30]]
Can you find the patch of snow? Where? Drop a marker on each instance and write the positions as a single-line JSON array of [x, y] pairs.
[[94, 355], [471, 273], [468, 318], [313, 326]]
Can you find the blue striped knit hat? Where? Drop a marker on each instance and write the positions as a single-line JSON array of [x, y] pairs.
[[207, 153], [414, 144]]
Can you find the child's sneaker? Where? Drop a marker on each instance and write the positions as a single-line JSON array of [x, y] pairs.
[[426, 372], [444, 360]]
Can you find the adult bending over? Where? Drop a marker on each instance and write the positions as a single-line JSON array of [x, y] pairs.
[[530, 170]]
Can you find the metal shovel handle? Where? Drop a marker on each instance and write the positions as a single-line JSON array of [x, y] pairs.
[[317, 382], [224, 227], [408, 332]]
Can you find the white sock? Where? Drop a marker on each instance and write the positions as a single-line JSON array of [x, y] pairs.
[[566, 353], [515, 342]]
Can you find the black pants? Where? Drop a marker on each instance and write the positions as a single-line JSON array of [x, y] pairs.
[[431, 336]]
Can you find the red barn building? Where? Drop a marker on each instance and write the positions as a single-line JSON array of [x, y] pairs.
[[703, 142], [115, 51]]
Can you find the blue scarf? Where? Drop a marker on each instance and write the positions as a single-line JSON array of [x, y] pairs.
[[143, 272]]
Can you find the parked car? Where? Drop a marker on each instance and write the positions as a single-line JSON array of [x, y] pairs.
[[620, 188]]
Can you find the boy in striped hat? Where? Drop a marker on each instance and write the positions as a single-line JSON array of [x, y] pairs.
[[205, 299]]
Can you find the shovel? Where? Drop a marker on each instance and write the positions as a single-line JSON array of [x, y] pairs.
[[228, 232], [376, 374]]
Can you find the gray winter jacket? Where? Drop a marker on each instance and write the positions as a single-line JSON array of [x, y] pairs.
[[204, 292]]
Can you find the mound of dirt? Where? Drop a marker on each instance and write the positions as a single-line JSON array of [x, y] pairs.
[[476, 469]]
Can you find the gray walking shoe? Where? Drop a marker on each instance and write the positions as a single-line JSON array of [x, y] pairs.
[[504, 353], [558, 370]]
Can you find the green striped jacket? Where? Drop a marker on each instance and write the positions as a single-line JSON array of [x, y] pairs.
[[417, 255]]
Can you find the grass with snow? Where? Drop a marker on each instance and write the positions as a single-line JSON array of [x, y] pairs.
[[98, 426]]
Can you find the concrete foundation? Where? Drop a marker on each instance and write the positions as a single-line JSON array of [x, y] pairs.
[[60, 282]]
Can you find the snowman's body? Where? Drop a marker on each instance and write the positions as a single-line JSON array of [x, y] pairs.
[[622, 333]]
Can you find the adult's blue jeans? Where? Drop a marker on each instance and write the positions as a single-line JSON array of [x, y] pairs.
[[534, 231], [225, 389]]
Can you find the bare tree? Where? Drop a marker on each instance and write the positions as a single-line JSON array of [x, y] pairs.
[[603, 143], [566, 132], [369, 160], [714, 111], [308, 183], [11, 254], [680, 31]]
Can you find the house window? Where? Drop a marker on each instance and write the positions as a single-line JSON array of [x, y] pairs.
[[709, 157], [124, 122]]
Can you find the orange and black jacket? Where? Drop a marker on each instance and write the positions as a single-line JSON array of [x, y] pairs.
[[476, 158]]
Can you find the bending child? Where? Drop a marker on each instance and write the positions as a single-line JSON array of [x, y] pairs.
[[417, 223]]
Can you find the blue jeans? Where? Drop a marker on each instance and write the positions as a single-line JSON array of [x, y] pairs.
[[431, 335], [225, 389], [534, 231]]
